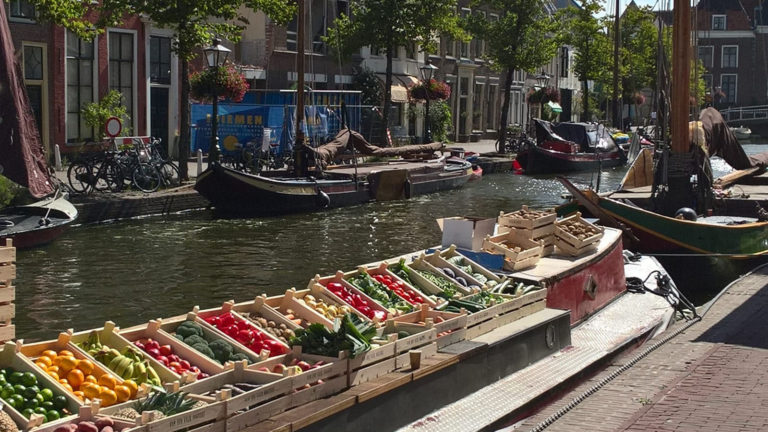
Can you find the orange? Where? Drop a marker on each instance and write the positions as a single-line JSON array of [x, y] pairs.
[[41, 365], [132, 386], [86, 366], [80, 395], [90, 379], [66, 363], [108, 396], [44, 359], [52, 369], [108, 381], [66, 353], [53, 375], [66, 385], [123, 393], [49, 353], [90, 390], [75, 378]]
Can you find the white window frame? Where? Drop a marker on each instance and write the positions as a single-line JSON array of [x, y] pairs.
[[20, 19], [725, 21], [43, 83], [173, 102], [722, 56], [735, 88], [711, 55], [94, 87], [135, 84]]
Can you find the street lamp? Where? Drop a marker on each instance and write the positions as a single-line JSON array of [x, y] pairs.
[[427, 71], [216, 55], [542, 79]]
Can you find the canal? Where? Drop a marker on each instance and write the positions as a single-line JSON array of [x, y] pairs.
[[133, 271]]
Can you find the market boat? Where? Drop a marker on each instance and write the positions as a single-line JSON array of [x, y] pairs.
[[237, 192], [22, 160], [566, 147]]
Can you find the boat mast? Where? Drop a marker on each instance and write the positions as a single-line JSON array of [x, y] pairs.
[[681, 73], [299, 156], [616, 97]]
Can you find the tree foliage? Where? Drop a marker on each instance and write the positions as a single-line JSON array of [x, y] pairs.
[[639, 41], [522, 38], [389, 24]]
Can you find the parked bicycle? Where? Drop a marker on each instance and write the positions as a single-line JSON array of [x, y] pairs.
[[99, 171], [514, 143]]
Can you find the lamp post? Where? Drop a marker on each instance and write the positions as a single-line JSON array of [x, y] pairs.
[[542, 79], [216, 55], [427, 72]]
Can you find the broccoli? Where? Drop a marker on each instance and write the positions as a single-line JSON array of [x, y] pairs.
[[178, 336], [188, 328], [203, 348], [222, 349], [194, 339], [239, 357]]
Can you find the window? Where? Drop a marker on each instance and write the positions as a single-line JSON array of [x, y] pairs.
[[22, 10], [706, 54], [291, 36], [34, 76], [450, 46], [160, 60], [410, 51], [479, 44], [730, 56], [707, 78], [342, 8], [375, 51], [758, 16], [121, 65], [80, 86], [728, 86], [477, 105], [464, 46], [319, 25], [565, 62], [718, 22], [491, 103]]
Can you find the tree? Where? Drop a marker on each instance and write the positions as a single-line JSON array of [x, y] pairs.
[[584, 32], [522, 38], [639, 39], [390, 24], [194, 22]]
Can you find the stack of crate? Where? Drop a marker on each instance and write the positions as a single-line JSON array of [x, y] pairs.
[[7, 291], [575, 237], [536, 225]]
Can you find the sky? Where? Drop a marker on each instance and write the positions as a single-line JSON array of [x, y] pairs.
[[608, 4]]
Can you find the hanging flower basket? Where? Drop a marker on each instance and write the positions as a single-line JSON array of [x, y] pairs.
[[638, 98], [551, 94], [228, 82], [438, 90], [543, 95]]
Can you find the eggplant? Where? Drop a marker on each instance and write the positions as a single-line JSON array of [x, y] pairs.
[[461, 280], [448, 272]]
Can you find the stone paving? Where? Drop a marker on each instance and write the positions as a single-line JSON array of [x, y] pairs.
[[711, 377]]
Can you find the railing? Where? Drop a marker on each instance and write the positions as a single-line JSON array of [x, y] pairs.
[[741, 114]]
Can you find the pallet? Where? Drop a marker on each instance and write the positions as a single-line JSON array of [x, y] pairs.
[[7, 291], [504, 313]]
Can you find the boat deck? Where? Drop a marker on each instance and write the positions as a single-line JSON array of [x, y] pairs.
[[365, 169]]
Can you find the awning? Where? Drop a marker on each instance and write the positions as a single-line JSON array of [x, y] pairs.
[[400, 85], [555, 107]]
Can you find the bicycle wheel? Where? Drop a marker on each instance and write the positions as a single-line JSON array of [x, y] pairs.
[[169, 174], [79, 176], [146, 178], [499, 146], [108, 176]]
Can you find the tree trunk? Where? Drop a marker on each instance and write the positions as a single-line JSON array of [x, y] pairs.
[[387, 92], [505, 109], [585, 96], [184, 125]]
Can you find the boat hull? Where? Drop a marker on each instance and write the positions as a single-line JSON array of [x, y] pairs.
[[537, 160], [35, 225]]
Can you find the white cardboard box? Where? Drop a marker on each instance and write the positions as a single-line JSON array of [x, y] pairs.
[[466, 232]]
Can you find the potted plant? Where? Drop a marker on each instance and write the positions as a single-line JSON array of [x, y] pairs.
[[226, 80], [96, 114]]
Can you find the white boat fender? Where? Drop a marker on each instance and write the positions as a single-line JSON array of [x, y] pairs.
[[322, 199]]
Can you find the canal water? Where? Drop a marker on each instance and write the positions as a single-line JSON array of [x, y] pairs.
[[133, 271]]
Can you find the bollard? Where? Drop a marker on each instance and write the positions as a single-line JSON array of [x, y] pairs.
[[57, 157], [199, 162]]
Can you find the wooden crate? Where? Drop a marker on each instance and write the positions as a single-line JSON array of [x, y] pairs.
[[420, 263], [9, 357], [403, 360], [542, 231], [504, 313], [339, 278], [85, 413], [362, 271], [477, 268], [184, 351], [572, 240], [7, 291], [450, 329], [565, 248], [439, 262], [383, 269], [517, 219], [528, 256], [331, 367], [323, 293], [109, 335], [226, 307]]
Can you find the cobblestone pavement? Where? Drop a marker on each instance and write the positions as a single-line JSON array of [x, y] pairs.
[[711, 377]]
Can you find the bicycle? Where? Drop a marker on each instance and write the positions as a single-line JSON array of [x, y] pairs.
[[99, 172], [514, 143]]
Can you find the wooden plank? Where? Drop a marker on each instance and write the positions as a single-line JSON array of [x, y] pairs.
[[386, 383], [733, 177], [7, 255], [255, 416], [370, 372], [451, 338], [415, 341], [7, 312], [321, 409], [269, 425], [431, 365], [318, 391], [219, 426], [7, 294], [7, 272], [404, 360], [7, 332], [194, 417]]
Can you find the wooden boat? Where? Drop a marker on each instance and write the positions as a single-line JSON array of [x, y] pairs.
[[236, 192], [566, 147], [38, 223]]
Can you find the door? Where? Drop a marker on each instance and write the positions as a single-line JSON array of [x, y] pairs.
[[158, 108]]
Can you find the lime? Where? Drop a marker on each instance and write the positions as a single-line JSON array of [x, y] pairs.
[[3, 380], [40, 410], [29, 393], [15, 377], [27, 412], [52, 415], [59, 402], [39, 398], [16, 401], [19, 389], [6, 371], [48, 405], [47, 394], [32, 403], [7, 391], [28, 379]]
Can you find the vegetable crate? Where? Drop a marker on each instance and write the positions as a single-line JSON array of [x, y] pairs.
[[547, 241], [257, 311], [519, 252], [86, 413], [452, 256], [379, 291], [527, 219], [422, 264], [577, 232], [356, 298], [504, 313], [7, 291], [459, 274], [10, 358], [450, 327], [308, 307], [383, 270]]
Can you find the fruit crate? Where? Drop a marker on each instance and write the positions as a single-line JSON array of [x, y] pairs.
[[7, 291], [303, 368], [362, 271], [440, 263], [152, 331], [421, 264], [257, 309], [506, 312], [506, 244], [547, 241], [86, 413], [585, 233], [527, 219], [109, 336], [381, 312], [450, 327], [418, 335], [33, 352], [294, 303], [383, 269], [210, 334], [10, 358]]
